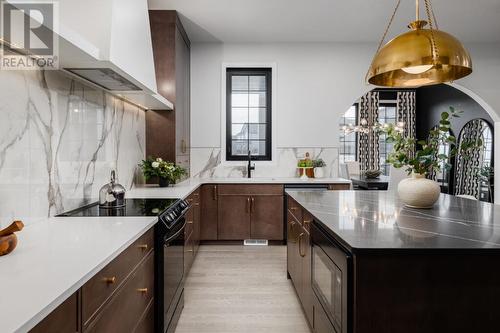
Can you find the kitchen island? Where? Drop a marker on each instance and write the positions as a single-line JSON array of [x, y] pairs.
[[373, 265]]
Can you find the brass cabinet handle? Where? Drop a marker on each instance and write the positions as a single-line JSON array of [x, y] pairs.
[[215, 192], [143, 247], [307, 221], [300, 244], [183, 146], [292, 226], [189, 222], [143, 290], [110, 280], [253, 205], [248, 205], [189, 200]]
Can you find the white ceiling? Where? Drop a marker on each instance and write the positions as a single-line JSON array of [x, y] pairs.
[[326, 20]]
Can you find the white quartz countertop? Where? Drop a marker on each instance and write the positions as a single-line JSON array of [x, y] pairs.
[[183, 189], [54, 258]]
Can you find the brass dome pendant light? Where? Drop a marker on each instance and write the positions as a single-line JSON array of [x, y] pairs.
[[420, 56]]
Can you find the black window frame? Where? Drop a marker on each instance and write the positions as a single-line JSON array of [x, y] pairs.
[[342, 142], [267, 72]]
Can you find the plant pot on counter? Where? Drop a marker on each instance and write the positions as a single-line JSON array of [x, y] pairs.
[[319, 172], [308, 170], [163, 182], [418, 191]]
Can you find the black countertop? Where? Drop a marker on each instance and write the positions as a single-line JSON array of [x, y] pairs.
[[377, 220]]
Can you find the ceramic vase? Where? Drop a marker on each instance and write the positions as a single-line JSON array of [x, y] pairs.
[[163, 182], [418, 191], [319, 172]]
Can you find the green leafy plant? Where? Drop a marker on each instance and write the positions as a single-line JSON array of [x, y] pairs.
[[157, 167], [305, 163], [427, 157], [319, 163]]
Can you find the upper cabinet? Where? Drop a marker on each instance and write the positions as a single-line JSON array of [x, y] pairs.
[[108, 43], [168, 134]]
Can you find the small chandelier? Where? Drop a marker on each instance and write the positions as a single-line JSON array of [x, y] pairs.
[[420, 56], [365, 128]]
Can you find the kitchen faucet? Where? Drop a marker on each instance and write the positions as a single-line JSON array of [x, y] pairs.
[[250, 167]]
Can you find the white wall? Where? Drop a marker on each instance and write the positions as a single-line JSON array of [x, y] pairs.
[[316, 83]]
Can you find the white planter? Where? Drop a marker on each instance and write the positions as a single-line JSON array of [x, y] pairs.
[[418, 191], [319, 172]]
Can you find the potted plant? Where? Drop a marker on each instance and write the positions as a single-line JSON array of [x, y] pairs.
[[167, 172], [319, 168], [418, 191]]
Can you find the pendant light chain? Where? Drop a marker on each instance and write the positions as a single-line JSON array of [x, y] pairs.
[[433, 16], [384, 35], [435, 52], [388, 26]]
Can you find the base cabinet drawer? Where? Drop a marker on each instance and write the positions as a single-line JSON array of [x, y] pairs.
[[147, 324], [103, 285], [64, 319], [125, 310]]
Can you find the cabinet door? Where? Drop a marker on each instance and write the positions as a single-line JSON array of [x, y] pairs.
[[209, 202], [305, 251], [267, 217], [293, 227], [64, 319], [234, 217]]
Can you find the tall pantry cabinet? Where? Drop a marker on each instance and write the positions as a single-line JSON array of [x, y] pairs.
[[168, 132]]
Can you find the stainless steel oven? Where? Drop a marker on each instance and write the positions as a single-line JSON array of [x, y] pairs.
[[330, 266]]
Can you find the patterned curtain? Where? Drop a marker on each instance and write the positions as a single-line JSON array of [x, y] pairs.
[[466, 177], [406, 112], [368, 143]]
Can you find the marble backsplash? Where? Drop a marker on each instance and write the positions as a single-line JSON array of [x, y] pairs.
[[59, 140], [207, 162]]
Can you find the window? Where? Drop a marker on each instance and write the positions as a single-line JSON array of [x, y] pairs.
[[386, 115], [348, 147], [248, 114]]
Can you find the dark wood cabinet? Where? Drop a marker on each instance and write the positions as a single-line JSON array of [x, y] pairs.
[[192, 230], [234, 217], [64, 319], [266, 217], [119, 298], [209, 203], [125, 310], [250, 212], [168, 132]]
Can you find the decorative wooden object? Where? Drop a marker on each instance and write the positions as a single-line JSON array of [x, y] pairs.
[[8, 239]]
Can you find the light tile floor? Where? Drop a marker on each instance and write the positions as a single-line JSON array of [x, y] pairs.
[[239, 289]]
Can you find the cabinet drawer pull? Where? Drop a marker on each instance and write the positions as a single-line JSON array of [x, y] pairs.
[[143, 290], [189, 222], [110, 280], [248, 205], [292, 226], [300, 244], [143, 247], [253, 205], [215, 192], [307, 221]]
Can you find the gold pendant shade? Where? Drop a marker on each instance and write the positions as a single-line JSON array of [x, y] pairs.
[[419, 57]]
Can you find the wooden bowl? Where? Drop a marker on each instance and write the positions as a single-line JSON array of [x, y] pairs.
[[7, 244]]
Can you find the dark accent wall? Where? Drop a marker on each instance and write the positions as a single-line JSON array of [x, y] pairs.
[[433, 100]]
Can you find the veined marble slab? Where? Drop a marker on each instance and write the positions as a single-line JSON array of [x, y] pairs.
[[59, 140]]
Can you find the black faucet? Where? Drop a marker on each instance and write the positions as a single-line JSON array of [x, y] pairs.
[[250, 167]]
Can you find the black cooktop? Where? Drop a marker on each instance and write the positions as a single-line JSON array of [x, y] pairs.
[[133, 207]]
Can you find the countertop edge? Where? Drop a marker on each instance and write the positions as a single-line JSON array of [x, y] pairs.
[[43, 313]]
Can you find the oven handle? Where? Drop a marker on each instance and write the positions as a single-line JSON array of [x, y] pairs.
[[177, 233]]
